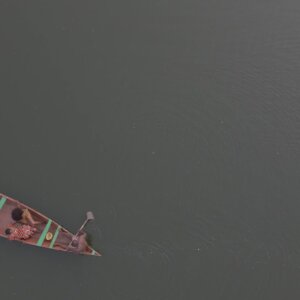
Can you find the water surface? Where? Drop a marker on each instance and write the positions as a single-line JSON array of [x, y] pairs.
[[177, 124]]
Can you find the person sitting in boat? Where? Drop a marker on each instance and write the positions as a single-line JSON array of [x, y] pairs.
[[23, 216], [66, 241], [21, 232], [79, 244]]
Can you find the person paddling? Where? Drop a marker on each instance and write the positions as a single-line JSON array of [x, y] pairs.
[[65, 240], [79, 244]]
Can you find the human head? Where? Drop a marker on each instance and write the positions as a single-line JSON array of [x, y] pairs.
[[7, 231], [75, 243], [17, 214]]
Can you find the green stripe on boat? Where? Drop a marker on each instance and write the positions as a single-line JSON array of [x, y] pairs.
[[55, 236], [2, 201], [43, 235]]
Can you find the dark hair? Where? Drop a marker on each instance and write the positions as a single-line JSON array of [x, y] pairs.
[[8, 231], [75, 243], [17, 214]]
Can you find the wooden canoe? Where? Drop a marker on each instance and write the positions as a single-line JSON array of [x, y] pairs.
[[50, 234]]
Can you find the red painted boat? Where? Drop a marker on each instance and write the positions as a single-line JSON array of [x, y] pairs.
[[49, 234]]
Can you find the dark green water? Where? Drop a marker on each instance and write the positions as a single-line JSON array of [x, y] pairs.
[[177, 123]]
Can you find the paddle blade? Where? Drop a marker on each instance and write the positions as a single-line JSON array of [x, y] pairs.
[[90, 215]]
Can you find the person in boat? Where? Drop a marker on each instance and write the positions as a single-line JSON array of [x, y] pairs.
[[80, 243], [65, 241], [23, 216], [20, 232]]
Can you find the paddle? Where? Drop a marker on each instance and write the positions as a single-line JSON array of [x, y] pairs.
[[89, 217]]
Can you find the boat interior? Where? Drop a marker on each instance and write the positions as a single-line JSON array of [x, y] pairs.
[[63, 238]]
